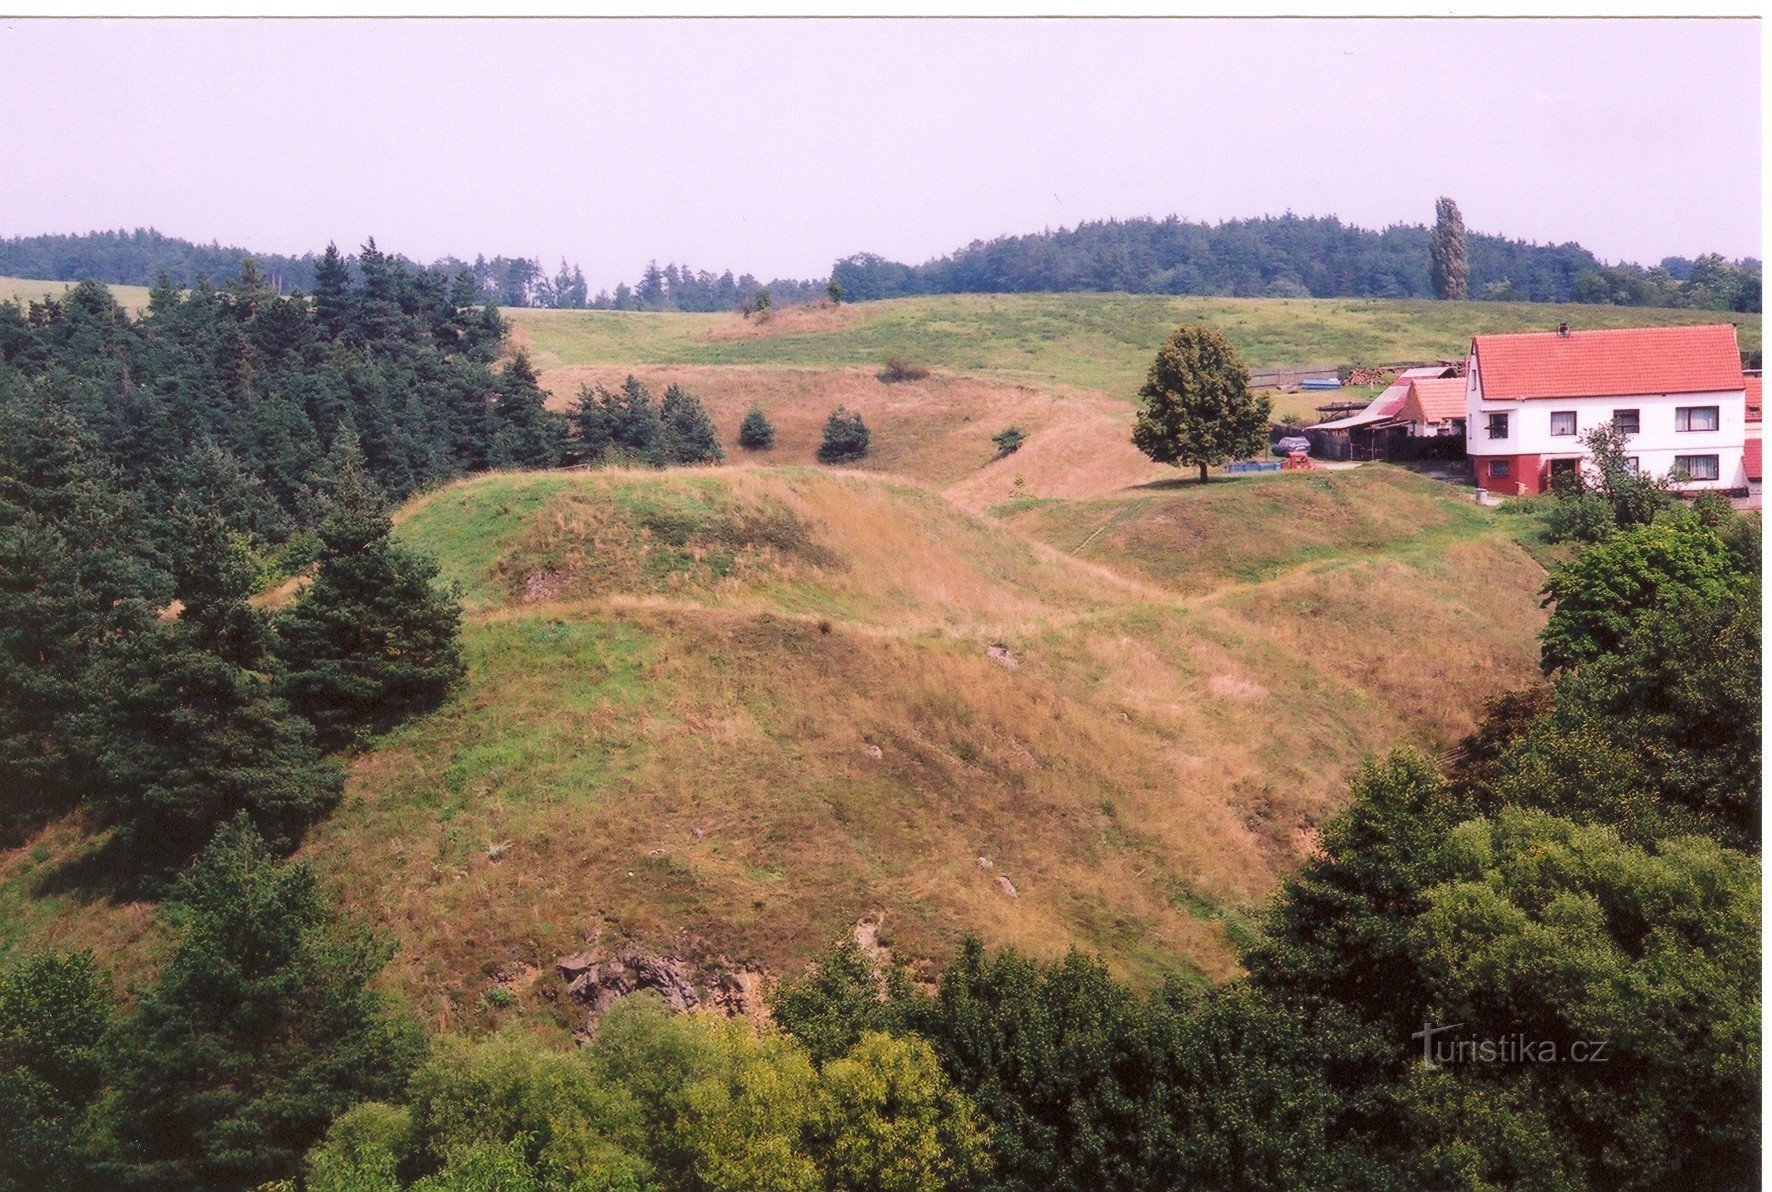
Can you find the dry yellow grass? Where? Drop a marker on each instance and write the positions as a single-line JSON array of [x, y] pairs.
[[937, 430], [749, 706]]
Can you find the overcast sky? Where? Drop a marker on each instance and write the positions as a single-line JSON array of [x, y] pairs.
[[778, 146]]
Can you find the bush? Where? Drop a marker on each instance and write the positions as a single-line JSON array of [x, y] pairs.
[[756, 432], [1579, 517], [1009, 441], [845, 438], [900, 369]]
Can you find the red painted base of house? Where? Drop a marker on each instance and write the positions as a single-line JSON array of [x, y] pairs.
[[1523, 475]]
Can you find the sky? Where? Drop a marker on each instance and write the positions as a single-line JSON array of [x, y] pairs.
[[778, 146]]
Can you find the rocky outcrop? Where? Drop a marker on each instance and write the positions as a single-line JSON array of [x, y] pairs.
[[598, 978]]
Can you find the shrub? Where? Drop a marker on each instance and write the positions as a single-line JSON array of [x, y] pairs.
[[756, 432], [1579, 517], [898, 368], [1009, 441], [845, 438]]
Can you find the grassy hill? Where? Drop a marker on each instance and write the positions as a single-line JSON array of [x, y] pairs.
[[727, 712], [1091, 341]]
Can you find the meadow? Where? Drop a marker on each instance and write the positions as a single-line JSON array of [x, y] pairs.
[[1101, 342]]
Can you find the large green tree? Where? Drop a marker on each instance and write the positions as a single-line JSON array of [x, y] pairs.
[[260, 1029], [1197, 408], [187, 728], [373, 639], [54, 1015], [689, 434], [1449, 264]]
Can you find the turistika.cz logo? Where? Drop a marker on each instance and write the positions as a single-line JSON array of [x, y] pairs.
[[1513, 1048]]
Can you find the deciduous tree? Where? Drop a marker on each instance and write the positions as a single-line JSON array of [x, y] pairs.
[[1197, 408]]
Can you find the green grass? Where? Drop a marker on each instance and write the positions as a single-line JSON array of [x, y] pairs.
[[24, 290], [1098, 341]]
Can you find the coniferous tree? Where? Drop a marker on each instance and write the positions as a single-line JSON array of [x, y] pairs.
[[73, 569], [261, 1028], [689, 435], [526, 433], [623, 426], [187, 729], [371, 640], [54, 1015], [1450, 266], [756, 432], [845, 438], [332, 303]]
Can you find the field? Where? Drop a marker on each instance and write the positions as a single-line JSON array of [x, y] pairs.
[[23, 290], [1100, 342]]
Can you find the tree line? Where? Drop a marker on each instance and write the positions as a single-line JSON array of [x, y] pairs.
[[1537, 967], [142, 256], [1289, 256]]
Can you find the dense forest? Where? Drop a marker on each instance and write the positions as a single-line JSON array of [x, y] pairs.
[[141, 257], [1293, 257]]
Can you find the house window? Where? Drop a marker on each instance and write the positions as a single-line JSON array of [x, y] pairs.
[[1628, 421], [1633, 463], [1563, 422], [1695, 418], [1500, 469], [1498, 426], [1697, 467]]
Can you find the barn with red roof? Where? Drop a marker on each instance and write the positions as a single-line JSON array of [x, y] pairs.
[[1678, 392]]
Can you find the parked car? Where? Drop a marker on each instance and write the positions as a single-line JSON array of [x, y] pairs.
[[1292, 443]]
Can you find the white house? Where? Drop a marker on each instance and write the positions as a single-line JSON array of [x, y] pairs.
[[1679, 392]]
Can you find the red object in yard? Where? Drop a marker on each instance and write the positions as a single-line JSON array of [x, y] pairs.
[[1298, 461]]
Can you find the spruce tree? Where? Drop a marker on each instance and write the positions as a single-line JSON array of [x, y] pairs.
[[73, 569], [526, 433], [261, 1028], [371, 640], [845, 438], [1450, 266], [689, 435], [332, 297], [756, 432], [187, 730]]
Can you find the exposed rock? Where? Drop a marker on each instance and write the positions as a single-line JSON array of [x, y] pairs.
[[739, 993], [1007, 886], [603, 980], [873, 751], [984, 863], [1000, 653], [572, 967]]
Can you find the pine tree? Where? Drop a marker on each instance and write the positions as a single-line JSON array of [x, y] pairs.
[[1197, 406], [526, 433], [756, 433], [689, 435], [186, 728], [73, 568], [845, 438], [371, 640], [261, 1028], [624, 426], [332, 297], [1450, 267]]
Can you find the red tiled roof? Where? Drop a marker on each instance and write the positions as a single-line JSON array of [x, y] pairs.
[[1750, 457], [1609, 363], [1753, 399], [1435, 400]]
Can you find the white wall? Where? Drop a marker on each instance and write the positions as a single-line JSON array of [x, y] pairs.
[[1655, 445]]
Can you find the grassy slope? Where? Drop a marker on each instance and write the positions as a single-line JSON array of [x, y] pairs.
[[1094, 341], [657, 654]]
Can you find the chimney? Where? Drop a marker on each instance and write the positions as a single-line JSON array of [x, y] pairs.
[[1563, 330]]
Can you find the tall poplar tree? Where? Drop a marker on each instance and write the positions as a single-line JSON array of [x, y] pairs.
[[1450, 266]]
